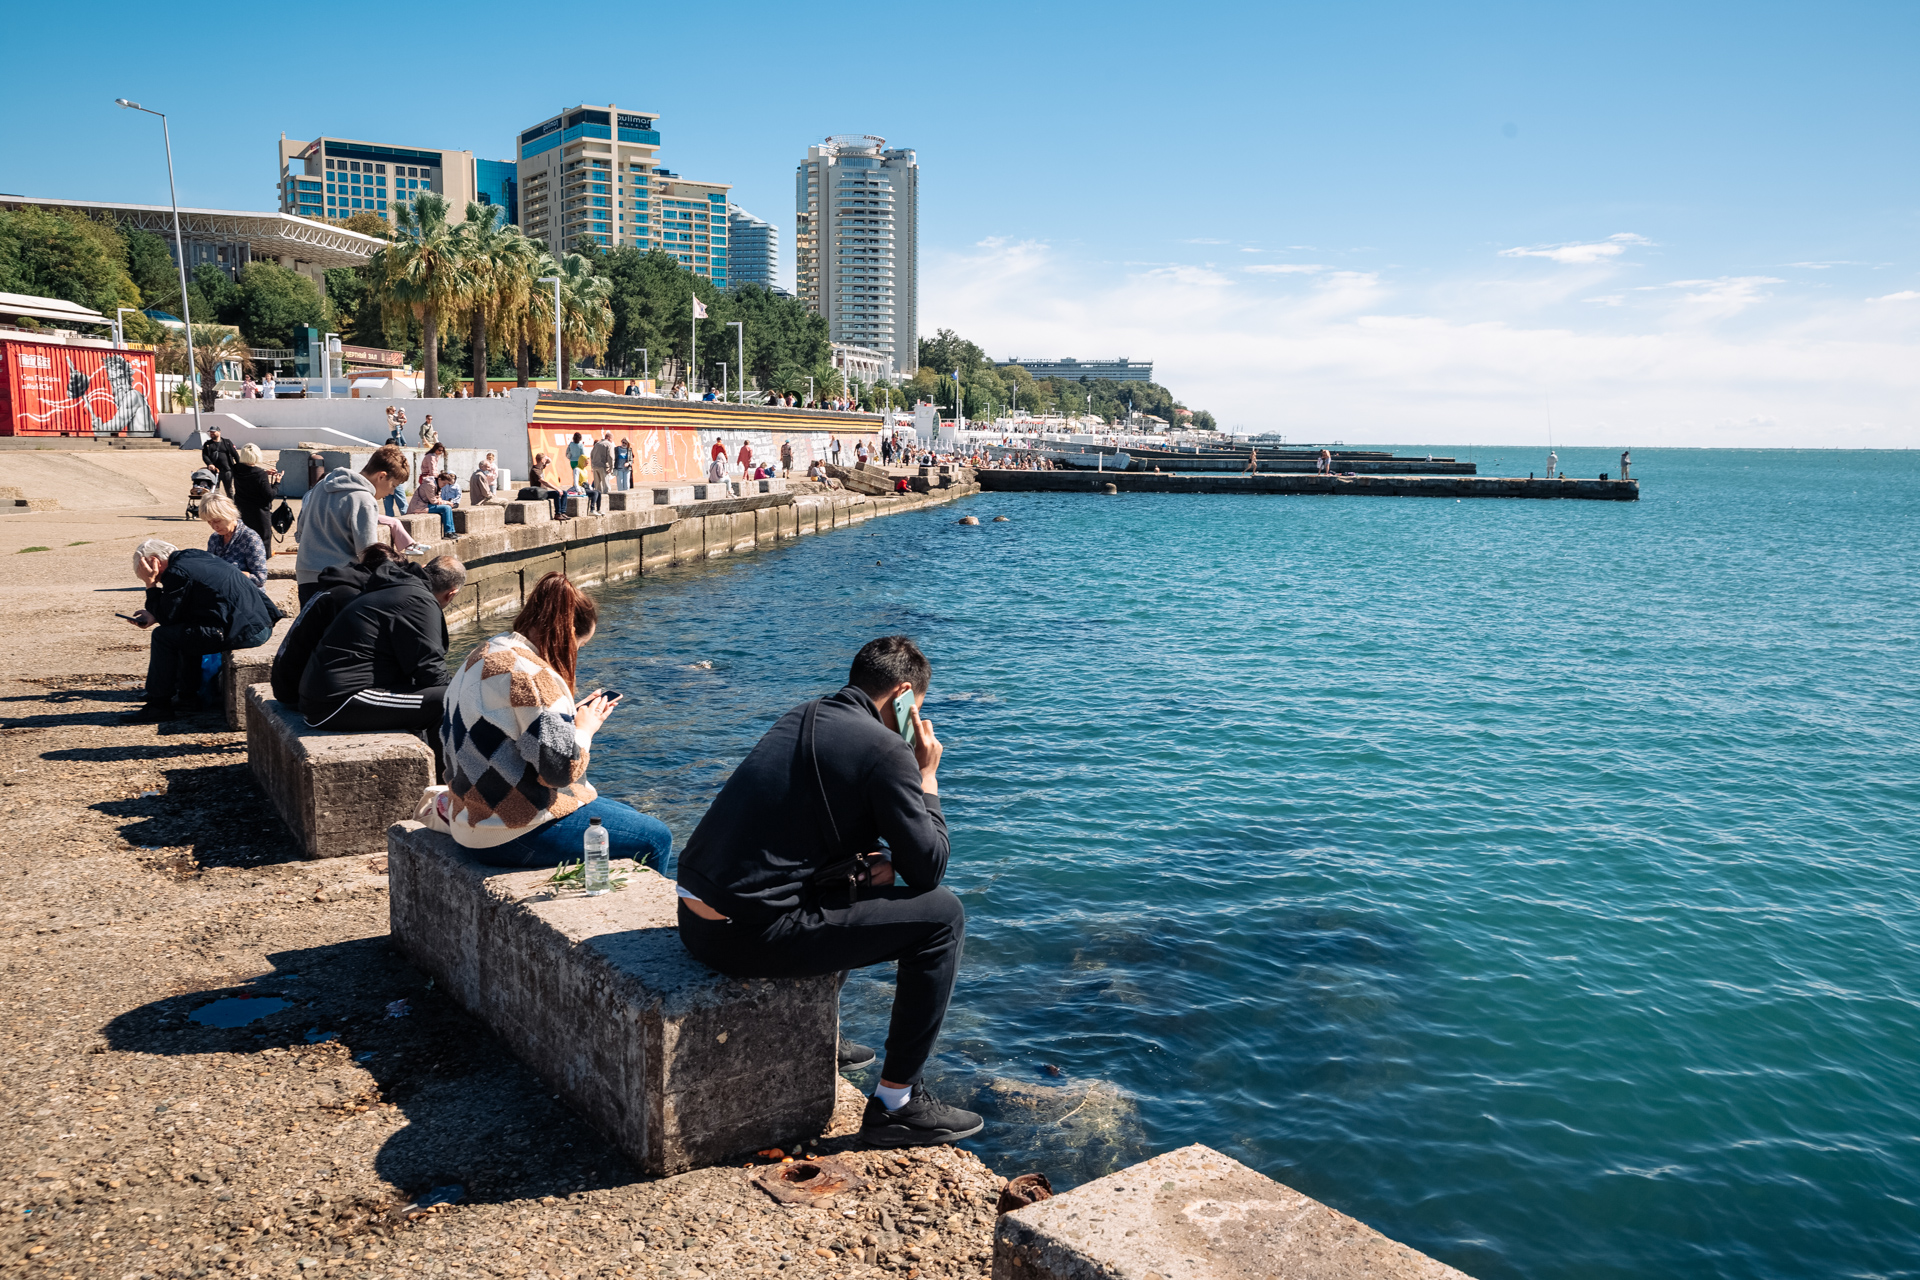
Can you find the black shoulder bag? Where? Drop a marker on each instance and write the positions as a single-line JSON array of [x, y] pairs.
[[848, 872]]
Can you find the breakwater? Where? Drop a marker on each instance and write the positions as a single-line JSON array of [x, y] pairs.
[[504, 564], [1381, 486]]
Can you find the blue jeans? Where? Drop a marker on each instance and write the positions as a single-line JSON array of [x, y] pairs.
[[393, 505], [445, 513], [631, 834]]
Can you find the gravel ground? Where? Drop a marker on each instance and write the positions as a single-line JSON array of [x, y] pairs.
[[151, 877]]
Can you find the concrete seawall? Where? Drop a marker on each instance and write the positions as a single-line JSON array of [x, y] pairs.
[[1369, 486], [503, 565]]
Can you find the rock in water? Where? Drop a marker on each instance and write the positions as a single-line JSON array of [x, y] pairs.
[[969, 519]]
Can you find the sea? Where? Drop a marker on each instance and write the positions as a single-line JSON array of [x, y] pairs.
[[1533, 880]]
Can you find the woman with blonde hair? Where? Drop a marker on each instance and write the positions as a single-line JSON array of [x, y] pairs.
[[513, 730], [232, 541]]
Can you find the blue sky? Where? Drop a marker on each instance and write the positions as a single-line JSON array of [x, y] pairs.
[[1662, 224]]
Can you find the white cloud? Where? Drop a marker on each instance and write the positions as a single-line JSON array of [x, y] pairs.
[[1364, 356], [1581, 254], [1725, 296], [1285, 268], [1905, 295], [1608, 299]]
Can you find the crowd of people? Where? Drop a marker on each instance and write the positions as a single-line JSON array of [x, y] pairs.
[[823, 852]]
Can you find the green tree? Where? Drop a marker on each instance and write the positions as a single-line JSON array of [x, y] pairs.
[[274, 301], [496, 258], [586, 318], [947, 351], [61, 253], [150, 264]]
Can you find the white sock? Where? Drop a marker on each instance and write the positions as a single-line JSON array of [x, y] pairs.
[[893, 1099]]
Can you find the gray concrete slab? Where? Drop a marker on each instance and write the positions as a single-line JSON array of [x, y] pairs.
[[338, 792], [677, 1065], [1194, 1214]]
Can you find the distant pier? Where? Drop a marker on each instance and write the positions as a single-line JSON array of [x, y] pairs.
[[1379, 486]]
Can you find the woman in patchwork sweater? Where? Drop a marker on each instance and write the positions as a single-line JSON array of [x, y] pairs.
[[518, 744]]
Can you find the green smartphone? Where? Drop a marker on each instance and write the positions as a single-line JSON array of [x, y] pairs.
[[903, 716]]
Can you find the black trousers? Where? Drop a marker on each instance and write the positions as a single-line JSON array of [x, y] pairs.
[[256, 519], [226, 483], [923, 931], [173, 660]]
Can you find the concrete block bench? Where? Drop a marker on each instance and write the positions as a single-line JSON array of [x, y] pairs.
[[241, 669], [677, 1065], [673, 495], [485, 519], [528, 512], [1194, 1214], [339, 792], [425, 527]]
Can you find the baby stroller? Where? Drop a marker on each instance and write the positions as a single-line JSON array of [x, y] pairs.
[[205, 481]]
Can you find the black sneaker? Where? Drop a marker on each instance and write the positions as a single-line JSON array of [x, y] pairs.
[[854, 1055], [923, 1122]]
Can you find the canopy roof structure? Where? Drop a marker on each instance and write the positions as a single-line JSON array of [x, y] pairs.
[[267, 235], [56, 309]]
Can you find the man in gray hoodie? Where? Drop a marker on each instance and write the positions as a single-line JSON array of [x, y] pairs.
[[339, 517]]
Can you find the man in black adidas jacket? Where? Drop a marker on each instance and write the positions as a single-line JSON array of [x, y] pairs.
[[339, 586], [830, 780], [382, 662]]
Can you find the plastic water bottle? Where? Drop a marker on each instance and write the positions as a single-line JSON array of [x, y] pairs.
[[595, 874]]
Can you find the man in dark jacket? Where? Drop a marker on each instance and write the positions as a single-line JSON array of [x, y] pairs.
[[196, 604], [832, 779], [382, 662], [218, 452], [339, 585]]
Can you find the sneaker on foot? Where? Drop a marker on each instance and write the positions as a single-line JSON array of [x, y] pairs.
[[854, 1055], [922, 1121]]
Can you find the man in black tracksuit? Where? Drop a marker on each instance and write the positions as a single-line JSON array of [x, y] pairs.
[[382, 662], [339, 586], [218, 453], [830, 780], [201, 605]]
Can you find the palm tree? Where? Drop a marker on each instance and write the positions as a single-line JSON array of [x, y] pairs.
[[422, 275], [586, 314], [494, 255], [213, 346], [532, 320]]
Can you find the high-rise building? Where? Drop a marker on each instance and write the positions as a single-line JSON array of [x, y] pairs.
[[593, 173], [857, 244], [754, 246], [334, 178], [497, 182]]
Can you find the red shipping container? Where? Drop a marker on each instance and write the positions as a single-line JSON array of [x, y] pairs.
[[49, 389]]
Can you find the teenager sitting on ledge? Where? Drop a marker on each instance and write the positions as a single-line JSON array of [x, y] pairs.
[[517, 744]]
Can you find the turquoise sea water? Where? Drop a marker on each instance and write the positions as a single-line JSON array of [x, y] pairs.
[[1533, 880]]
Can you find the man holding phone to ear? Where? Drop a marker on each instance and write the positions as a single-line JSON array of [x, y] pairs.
[[824, 852]]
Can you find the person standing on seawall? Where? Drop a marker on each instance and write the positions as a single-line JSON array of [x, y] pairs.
[[784, 876], [513, 731], [1553, 460], [1626, 460]]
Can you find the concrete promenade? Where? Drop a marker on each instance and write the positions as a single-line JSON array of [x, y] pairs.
[[1365, 486]]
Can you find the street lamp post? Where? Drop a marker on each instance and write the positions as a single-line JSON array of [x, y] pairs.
[[559, 374], [723, 381], [179, 254], [740, 350], [329, 343], [120, 326], [810, 391], [643, 364]]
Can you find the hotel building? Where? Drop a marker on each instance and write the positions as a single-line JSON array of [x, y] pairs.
[[592, 172], [334, 178], [856, 238]]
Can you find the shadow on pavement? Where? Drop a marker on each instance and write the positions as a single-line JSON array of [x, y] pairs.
[[475, 1116]]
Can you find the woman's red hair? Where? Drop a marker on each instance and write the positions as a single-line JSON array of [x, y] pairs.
[[553, 619]]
